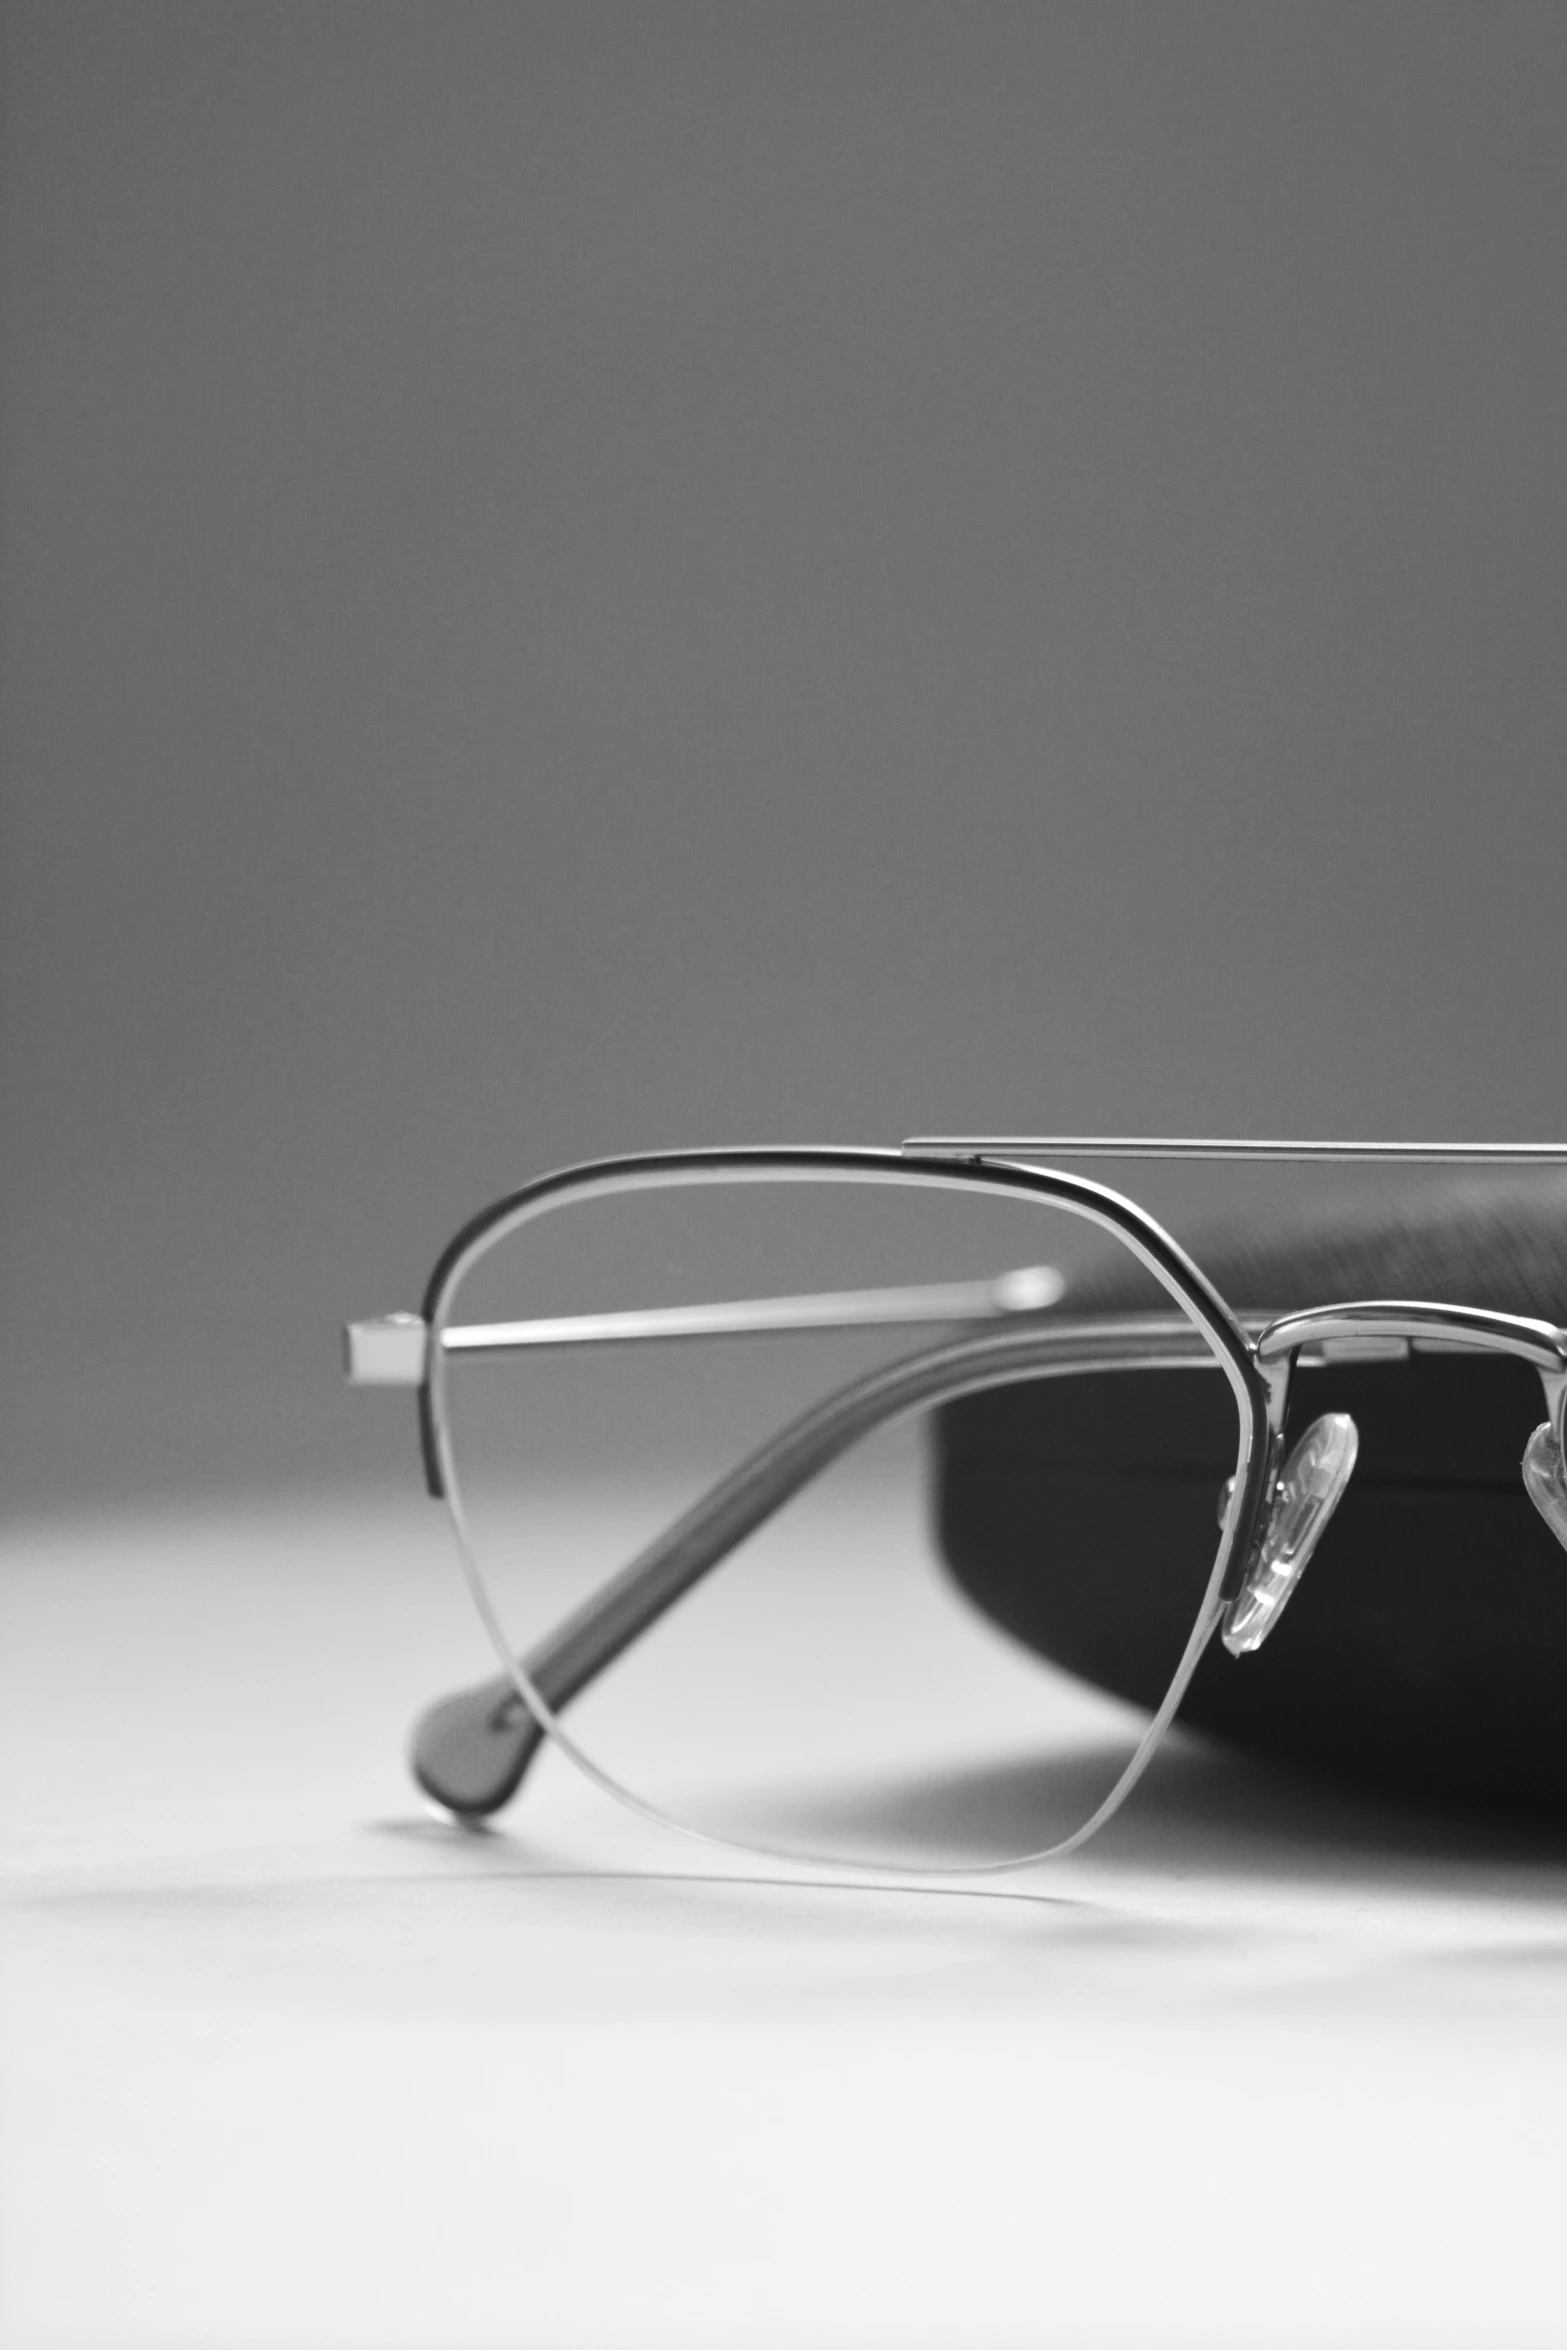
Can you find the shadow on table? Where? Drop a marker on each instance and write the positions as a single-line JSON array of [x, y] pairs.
[[1201, 1811], [1220, 1814]]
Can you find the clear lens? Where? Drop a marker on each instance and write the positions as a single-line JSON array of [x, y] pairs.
[[740, 1431]]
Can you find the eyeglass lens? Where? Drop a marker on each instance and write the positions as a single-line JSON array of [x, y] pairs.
[[840, 1396]]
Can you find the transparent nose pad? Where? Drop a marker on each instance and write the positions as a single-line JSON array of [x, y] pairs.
[[1545, 1481], [1308, 1491]]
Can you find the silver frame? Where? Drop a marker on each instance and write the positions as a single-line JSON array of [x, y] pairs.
[[1318, 1154], [1259, 1355]]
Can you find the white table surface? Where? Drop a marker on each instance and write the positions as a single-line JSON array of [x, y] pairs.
[[283, 2061]]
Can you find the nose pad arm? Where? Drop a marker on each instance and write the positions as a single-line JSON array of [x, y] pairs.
[[1545, 1480], [1308, 1490]]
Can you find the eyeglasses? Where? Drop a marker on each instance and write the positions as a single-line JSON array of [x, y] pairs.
[[723, 1434]]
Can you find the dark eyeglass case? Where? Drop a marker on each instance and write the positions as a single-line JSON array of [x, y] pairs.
[[1425, 1651]]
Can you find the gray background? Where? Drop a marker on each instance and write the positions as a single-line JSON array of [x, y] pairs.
[[579, 577]]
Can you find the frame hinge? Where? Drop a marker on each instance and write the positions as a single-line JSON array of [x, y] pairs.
[[387, 1352]]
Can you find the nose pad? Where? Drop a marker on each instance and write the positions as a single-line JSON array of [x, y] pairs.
[[1545, 1480], [1309, 1488]]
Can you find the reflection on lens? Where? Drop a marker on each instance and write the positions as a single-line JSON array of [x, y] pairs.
[[773, 1483]]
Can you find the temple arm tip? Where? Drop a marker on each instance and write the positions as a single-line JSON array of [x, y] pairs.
[[470, 1752]]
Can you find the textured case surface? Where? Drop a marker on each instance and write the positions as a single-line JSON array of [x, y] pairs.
[[1426, 1649]]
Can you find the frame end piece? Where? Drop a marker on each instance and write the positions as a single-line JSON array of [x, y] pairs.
[[386, 1352]]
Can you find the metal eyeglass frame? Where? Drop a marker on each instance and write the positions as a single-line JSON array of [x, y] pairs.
[[470, 1751]]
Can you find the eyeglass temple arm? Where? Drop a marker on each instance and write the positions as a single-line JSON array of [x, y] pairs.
[[390, 1351], [470, 1750]]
